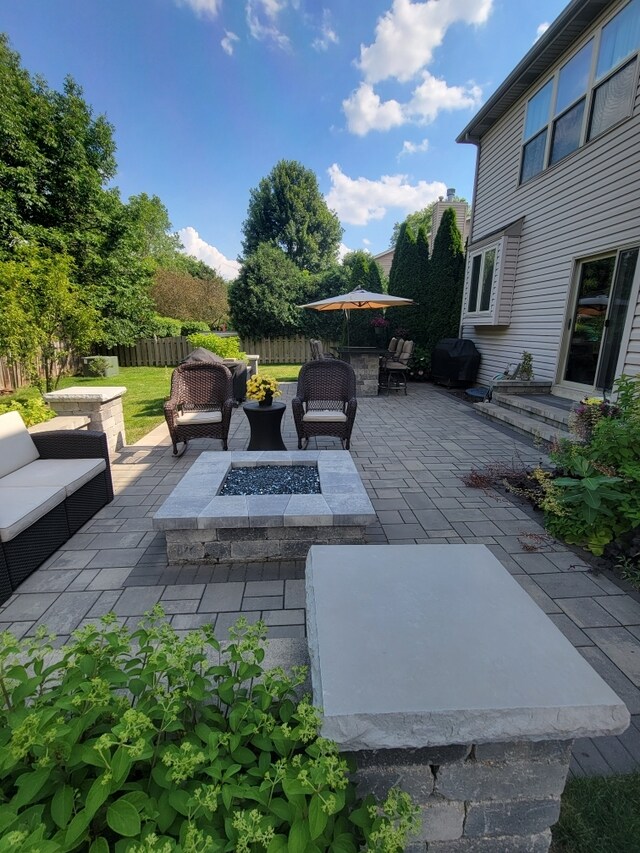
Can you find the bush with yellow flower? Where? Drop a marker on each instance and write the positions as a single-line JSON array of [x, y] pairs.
[[262, 387]]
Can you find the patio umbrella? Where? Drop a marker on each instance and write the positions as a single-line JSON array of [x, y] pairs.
[[357, 299]]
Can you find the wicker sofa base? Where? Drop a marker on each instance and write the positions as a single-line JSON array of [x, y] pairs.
[[29, 549], [22, 555]]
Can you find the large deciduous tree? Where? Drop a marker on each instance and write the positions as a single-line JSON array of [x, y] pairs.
[[264, 299], [45, 317], [56, 159], [186, 297], [288, 211]]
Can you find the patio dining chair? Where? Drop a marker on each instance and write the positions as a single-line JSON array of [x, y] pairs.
[[325, 402], [200, 404], [393, 371]]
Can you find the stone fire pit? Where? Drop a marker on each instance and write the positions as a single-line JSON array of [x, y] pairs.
[[203, 526]]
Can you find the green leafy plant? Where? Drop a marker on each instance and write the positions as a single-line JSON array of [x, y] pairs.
[[165, 327], [192, 327], [154, 742], [33, 410], [227, 347], [525, 368], [97, 366], [420, 363]]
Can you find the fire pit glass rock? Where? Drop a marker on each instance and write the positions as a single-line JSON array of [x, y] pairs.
[[272, 480]]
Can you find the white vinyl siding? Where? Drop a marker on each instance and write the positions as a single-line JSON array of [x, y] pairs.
[[585, 204]]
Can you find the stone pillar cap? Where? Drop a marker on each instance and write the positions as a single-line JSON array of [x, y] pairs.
[[426, 645], [86, 394]]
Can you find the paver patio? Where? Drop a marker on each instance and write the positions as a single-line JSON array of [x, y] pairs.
[[411, 452]]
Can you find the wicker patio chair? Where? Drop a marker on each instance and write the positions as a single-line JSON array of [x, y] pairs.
[[200, 404], [325, 403]]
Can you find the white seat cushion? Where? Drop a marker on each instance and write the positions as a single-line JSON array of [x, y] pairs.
[[68, 474], [22, 507], [16, 445], [200, 417], [324, 415]]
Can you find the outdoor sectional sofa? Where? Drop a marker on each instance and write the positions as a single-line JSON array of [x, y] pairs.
[[51, 483]]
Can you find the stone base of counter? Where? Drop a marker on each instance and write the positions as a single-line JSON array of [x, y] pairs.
[[485, 798]]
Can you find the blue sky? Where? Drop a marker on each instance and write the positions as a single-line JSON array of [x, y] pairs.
[[207, 95]]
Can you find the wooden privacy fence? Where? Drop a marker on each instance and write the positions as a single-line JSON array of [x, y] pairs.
[[281, 350], [151, 352], [13, 376], [167, 352]]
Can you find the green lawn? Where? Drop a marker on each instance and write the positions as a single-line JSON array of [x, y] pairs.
[[147, 388], [599, 815]]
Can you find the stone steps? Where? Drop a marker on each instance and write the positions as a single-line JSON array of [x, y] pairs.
[[521, 422], [544, 412]]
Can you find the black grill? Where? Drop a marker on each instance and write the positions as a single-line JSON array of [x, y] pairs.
[[455, 362]]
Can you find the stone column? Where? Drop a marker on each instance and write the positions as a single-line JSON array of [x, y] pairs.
[[103, 406], [442, 677]]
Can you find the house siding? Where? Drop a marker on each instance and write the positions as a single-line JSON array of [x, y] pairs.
[[584, 205]]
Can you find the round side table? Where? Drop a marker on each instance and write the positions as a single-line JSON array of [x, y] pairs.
[[264, 422]]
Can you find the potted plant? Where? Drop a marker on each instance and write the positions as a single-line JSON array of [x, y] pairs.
[[263, 388], [380, 327]]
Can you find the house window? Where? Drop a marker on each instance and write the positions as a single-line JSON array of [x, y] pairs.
[[483, 270], [601, 75]]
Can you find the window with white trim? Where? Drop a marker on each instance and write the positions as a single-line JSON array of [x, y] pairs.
[[484, 269], [590, 93]]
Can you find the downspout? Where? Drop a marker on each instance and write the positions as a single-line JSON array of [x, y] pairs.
[[475, 142]]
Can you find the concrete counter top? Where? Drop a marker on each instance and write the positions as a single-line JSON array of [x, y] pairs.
[[426, 645]]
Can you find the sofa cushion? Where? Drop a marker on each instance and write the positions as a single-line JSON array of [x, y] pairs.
[[68, 474], [324, 415], [16, 445], [210, 417], [22, 507]]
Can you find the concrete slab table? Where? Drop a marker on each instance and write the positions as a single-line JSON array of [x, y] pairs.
[[437, 670]]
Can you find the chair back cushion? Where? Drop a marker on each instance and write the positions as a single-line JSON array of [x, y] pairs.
[[392, 345], [405, 354], [16, 445]]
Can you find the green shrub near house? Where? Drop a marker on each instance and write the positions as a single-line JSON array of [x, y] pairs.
[[597, 498]]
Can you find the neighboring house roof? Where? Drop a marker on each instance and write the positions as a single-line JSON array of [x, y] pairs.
[[563, 32], [385, 259]]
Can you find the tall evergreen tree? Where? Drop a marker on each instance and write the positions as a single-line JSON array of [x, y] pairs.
[[446, 281], [404, 280]]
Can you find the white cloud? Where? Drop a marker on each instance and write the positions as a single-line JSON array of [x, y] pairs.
[[342, 251], [414, 147], [408, 33], [328, 35], [365, 111], [262, 21], [358, 201], [434, 95], [366, 242], [542, 28], [203, 251], [228, 40], [203, 7]]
